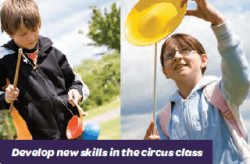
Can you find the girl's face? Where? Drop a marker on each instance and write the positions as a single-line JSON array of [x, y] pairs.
[[26, 38], [185, 64]]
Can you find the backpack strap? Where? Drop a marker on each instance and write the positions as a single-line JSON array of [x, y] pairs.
[[215, 97], [235, 126], [165, 116]]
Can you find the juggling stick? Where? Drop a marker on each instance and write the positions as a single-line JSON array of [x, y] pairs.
[[155, 68], [81, 112], [16, 75]]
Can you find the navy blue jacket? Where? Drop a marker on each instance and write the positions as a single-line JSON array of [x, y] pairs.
[[43, 90]]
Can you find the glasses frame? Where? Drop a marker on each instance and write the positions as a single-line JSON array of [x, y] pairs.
[[183, 51]]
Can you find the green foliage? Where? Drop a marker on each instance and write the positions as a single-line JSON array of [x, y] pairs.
[[102, 78], [7, 128], [105, 29]]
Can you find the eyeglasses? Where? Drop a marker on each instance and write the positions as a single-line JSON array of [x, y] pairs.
[[183, 51]]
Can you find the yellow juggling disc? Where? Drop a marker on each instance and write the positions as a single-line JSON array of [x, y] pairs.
[[150, 21]]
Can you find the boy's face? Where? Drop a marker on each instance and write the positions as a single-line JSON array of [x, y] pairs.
[[184, 66], [26, 38]]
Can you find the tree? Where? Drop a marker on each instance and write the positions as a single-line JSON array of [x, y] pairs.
[[102, 78], [105, 29]]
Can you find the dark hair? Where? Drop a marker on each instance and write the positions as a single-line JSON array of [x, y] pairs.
[[16, 12], [182, 40]]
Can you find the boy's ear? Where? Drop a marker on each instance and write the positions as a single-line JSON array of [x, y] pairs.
[[165, 73], [204, 60]]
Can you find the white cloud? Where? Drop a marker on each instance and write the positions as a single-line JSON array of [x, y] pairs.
[[232, 5], [73, 16], [134, 127]]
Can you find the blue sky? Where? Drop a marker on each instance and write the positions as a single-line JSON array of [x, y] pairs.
[[61, 21], [137, 65]]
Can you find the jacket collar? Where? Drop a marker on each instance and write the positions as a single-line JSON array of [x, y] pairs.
[[177, 98]]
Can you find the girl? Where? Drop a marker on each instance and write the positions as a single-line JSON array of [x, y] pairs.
[[193, 117]]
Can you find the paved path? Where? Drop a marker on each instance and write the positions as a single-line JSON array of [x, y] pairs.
[[105, 117]]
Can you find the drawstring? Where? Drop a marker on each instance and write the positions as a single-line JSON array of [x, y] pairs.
[[35, 68]]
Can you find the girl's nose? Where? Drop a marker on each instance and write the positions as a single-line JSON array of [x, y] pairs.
[[177, 56]]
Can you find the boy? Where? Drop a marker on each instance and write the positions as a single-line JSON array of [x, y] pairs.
[[193, 117], [47, 85]]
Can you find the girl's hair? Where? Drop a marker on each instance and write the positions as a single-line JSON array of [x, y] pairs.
[[16, 12], [182, 40]]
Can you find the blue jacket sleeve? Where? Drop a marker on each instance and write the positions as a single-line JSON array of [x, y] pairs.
[[235, 68]]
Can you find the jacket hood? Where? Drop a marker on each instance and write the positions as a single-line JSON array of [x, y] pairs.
[[202, 83]]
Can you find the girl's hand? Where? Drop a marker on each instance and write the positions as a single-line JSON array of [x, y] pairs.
[[205, 11], [11, 94], [149, 134]]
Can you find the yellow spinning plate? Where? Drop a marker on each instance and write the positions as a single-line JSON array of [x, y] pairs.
[[150, 21]]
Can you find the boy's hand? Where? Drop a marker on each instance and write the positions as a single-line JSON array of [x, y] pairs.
[[11, 94], [205, 11], [74, 96], [149, 134]]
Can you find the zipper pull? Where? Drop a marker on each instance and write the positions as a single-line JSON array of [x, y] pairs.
[[35, 67], [25, 61]]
